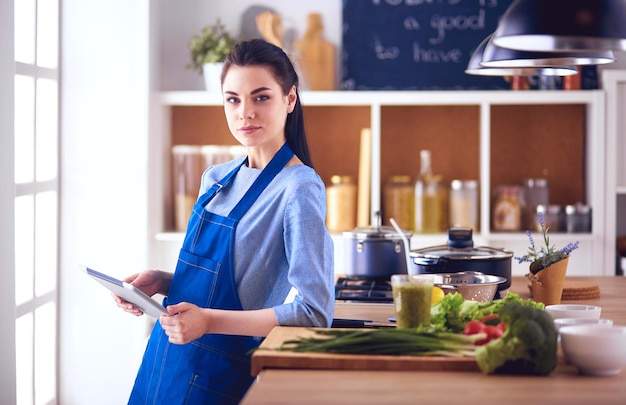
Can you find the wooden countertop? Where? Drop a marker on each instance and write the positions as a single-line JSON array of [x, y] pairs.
[[565, 385]]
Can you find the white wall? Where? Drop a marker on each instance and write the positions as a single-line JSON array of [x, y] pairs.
[[7, 198], [103, 192], [182, 19], [105, 129]]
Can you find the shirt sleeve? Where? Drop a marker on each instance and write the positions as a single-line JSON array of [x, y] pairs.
[[310, 254]]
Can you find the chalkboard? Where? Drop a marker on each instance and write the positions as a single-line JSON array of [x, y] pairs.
[[416, 44]]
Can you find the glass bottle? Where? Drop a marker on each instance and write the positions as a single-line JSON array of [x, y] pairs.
[[430, 197], [341, 204], [399, 201]]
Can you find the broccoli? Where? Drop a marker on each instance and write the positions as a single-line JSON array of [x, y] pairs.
[[528, 345]]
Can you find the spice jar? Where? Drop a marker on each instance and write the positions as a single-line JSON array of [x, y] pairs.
[[398, 202], [341, 204], [507, 209], [464, 203]]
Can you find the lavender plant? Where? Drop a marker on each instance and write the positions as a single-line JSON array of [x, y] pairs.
[[540, 258]]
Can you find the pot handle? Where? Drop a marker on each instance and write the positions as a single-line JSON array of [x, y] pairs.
[[448, 288], [426, 261]]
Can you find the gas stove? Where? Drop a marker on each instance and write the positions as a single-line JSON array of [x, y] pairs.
[[363, 290]]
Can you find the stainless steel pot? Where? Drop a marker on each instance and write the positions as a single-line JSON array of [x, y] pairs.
[[374, 252], [460, 255]]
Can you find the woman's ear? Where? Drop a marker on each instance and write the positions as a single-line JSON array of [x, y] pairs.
[[291, 98]]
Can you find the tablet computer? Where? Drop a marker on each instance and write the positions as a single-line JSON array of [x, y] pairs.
[[128, 292]]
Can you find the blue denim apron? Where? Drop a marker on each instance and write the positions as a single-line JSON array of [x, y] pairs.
[[213, 369]]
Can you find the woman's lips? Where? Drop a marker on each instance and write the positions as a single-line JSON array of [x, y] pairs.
[[248, 130]]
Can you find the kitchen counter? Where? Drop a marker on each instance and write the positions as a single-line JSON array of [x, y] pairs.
[[564, 385]]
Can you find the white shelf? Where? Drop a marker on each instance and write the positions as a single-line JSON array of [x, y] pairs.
[[589, 260], [397, 98]]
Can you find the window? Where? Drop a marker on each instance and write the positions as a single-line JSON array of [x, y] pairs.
[[36, 140]]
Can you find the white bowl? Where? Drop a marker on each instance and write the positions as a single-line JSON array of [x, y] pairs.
[[595, 350], [561, 322], [574, 311]]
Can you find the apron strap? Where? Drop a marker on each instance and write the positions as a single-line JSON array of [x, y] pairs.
[[275, 165], [217, 187]]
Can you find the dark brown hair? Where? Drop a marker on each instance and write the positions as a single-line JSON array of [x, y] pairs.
[[257, 52]]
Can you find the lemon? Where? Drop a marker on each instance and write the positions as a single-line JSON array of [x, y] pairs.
[[437, 295]]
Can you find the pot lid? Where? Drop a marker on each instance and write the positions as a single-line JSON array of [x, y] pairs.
[[460, 246], [472, 253], [375, 232], [382, 232]]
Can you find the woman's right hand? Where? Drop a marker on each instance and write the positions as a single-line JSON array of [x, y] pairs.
[[149, 281]]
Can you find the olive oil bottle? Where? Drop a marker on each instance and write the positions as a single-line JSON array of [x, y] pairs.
[[430, 198]]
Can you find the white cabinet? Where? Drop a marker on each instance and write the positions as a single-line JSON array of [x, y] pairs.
[[554, 133], [615, 83]]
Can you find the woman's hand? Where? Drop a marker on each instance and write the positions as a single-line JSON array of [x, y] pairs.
[[186, 322], [149, 281]]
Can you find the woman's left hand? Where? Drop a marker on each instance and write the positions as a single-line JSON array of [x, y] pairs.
[[185, 323]]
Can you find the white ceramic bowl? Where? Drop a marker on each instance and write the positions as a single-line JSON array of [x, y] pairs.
[[561, 322], [595, 350], [574, 311]]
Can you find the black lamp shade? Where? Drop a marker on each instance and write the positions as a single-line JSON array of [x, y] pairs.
[[474, 66], [563, 25], [495, 56]]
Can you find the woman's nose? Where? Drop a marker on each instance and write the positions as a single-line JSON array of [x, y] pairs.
[[247, 113]]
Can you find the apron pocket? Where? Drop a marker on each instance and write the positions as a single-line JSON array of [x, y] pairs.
[[225, 383], [194, 280]]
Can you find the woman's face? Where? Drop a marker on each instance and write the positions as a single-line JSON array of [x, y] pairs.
[[256, 108]]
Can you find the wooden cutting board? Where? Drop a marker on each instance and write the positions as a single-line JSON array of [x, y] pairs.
[[265, 357]]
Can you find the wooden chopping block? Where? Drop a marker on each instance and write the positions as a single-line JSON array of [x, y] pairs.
[[316, 56], [268, 357]]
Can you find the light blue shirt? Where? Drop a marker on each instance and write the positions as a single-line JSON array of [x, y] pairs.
[[281, 242]]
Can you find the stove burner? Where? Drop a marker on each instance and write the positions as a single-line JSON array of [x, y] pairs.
[[359, 289]]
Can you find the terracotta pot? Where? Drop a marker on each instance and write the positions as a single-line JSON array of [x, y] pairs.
[[547, 285]]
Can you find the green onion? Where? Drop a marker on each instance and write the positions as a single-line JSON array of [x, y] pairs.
[[385, 341]]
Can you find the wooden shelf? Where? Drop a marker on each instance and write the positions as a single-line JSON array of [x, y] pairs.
[[496, 137]]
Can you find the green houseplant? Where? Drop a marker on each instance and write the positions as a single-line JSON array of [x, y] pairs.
[[211, 45], [208, 50]]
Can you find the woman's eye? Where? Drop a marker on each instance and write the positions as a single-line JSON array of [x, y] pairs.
[[231, 100], [262, 98]]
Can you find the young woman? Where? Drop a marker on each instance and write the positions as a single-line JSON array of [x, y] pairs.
[[257, 230]]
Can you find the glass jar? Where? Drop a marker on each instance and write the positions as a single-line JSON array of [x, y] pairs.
[[464, 203], [187, 169], [507, 209], [553, 217], [398, 202], [341, 204], [578, 218], [536, 193]]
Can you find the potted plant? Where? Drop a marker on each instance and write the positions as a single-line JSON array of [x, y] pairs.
[[548, 266], [208, 50]]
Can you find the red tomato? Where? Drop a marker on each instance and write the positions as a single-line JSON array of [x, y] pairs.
[[493, 332], [473, 327]]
